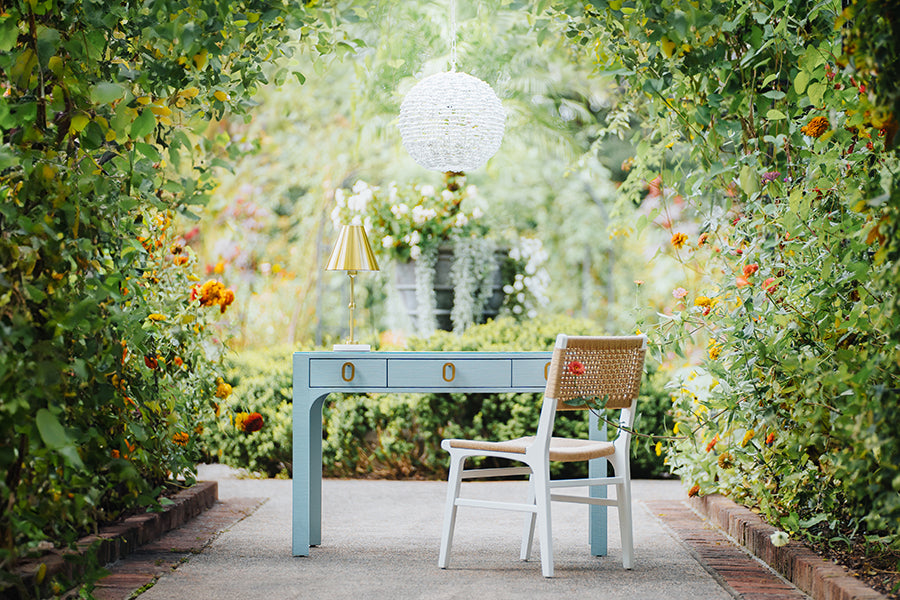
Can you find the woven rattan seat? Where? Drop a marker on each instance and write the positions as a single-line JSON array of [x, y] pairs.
[[561, 449], [606, 369]]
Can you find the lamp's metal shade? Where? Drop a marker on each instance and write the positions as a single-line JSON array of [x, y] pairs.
[[352, 251]]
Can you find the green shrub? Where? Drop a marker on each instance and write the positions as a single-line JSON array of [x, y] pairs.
[[261, 382], [771, 129], [399, 435]]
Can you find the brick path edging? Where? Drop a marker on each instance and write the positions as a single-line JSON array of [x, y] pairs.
[[120, 539], [820, 578]]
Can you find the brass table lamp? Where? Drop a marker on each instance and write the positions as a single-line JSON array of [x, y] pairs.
[[352, 253]]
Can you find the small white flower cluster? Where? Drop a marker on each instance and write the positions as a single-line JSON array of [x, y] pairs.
[[529, 289], [356, 204], [417, 213]]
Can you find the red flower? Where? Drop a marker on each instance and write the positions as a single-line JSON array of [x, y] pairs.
[[770, 286], [151, 362], [254, 422], [576, 368], [750, 269], [770, 438], [712, 443]]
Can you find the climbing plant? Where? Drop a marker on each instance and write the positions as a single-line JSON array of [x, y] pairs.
[[774, 123], [109, 118]]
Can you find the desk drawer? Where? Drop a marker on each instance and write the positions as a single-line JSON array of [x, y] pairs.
[[450, 373], [530, 372], [349, 373]]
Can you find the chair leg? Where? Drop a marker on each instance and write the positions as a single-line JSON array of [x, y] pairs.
[[541, 478], [528, 529], [454, 480], [623, 500]]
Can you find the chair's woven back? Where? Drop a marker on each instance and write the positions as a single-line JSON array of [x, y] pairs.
[[603, 367]]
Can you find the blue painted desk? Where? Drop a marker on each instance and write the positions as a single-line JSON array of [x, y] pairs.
[[317, 374]]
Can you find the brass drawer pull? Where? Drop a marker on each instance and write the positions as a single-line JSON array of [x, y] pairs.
[[352, 374], [452, 375]]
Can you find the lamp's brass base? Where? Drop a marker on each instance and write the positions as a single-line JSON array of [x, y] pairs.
[[352, 348]]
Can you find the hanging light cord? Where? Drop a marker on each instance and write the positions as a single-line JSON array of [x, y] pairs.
[[453, 35]]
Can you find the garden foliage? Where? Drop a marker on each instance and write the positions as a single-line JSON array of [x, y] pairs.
[[775, 121], [399, 435], [107, 355]]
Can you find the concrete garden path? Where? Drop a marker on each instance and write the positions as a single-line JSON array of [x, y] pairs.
[[381, 539]]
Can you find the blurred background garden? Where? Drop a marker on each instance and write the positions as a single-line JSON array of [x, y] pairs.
[[720, 176]]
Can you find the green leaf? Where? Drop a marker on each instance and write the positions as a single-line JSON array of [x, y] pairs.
[[801, 81], [9, 32], [775, 115], [51, 429], [106, 92], [816, 93], [749, 180], [143, 125]]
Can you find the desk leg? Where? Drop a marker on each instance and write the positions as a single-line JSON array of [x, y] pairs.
[[315, 470], [598, 514], [307, 474]]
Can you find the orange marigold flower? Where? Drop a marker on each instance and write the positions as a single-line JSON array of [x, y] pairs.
[[750, 269], [178, 361], [695, 489], [576, 368], [180, 260], [181, 438], [770, 438], [816, 127], [114, 453], [679, 239], [225, 299], [210, 292], [704, 237]]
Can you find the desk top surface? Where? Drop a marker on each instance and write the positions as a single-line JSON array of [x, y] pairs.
[[377, 354]]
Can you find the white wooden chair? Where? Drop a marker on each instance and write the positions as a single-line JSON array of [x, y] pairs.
[[606, 368]]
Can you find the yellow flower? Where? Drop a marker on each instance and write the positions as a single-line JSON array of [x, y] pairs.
[[714, 352], [702, 301], [679, 239], [239, 420], [747, 437], [223, 390], [675, 429], [181, 438], [658, 448], [156, 317]]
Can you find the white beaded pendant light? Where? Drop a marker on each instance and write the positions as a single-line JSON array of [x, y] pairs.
[[451, 121]]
